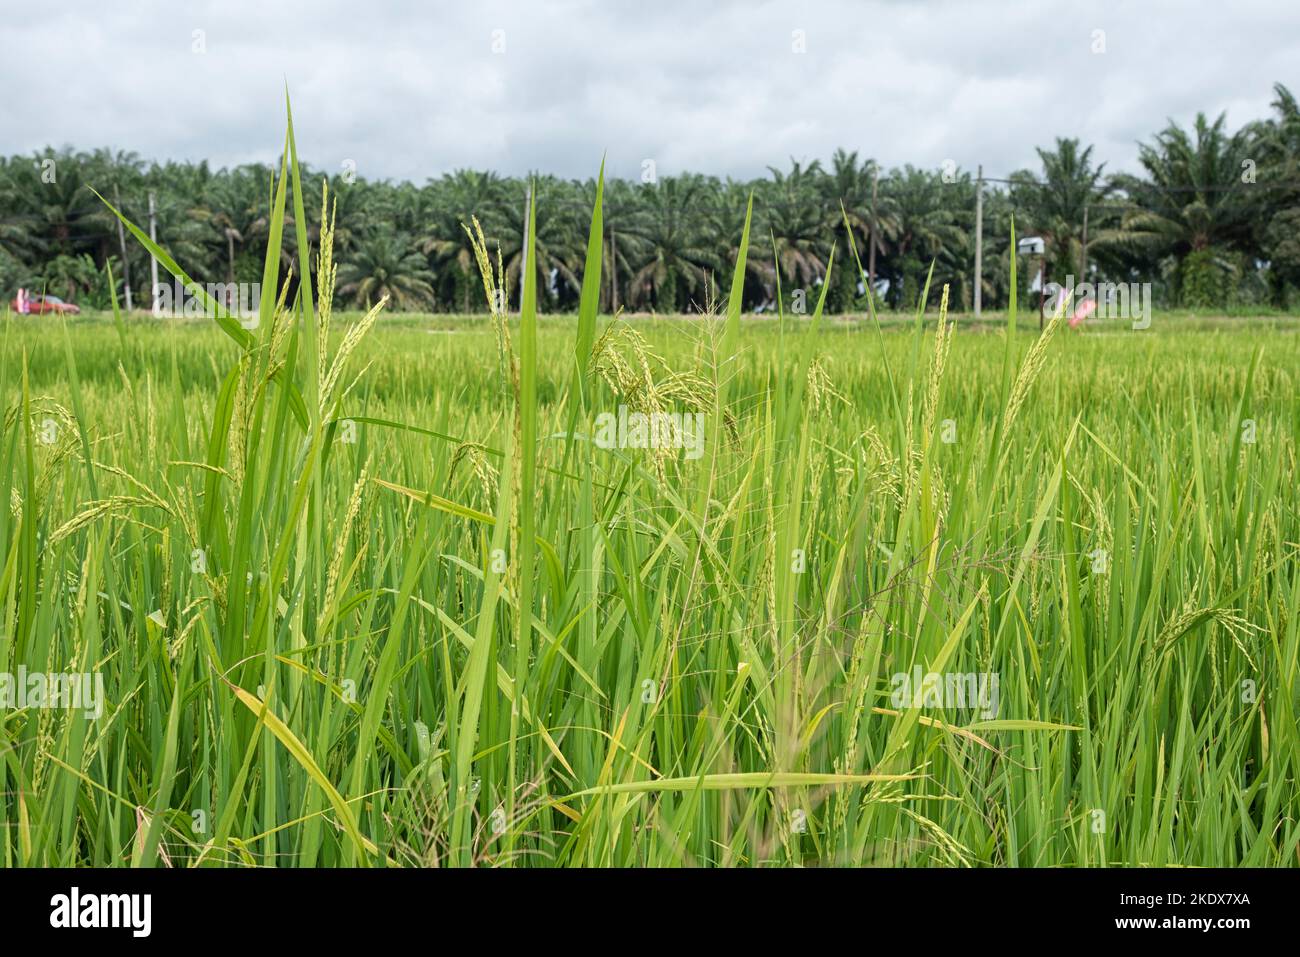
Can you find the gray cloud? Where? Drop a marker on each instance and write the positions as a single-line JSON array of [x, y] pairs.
[[413, 89]]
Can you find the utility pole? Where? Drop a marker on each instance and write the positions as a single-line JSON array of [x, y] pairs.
[[153, 260], [121, 240], [871, 236], [523, 256], [979, 238]]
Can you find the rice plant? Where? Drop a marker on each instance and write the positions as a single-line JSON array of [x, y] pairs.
[[354, 594]]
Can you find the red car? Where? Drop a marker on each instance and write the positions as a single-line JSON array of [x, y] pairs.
[[26, 303]]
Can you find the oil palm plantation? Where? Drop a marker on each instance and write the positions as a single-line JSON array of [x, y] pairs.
[[1211, 211]]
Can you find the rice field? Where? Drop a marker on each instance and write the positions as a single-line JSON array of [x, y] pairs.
[[370, 592]]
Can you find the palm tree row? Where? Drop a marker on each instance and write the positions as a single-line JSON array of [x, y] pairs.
[[1212, 220]]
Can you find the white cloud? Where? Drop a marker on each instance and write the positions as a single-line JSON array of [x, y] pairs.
[[413, 89]]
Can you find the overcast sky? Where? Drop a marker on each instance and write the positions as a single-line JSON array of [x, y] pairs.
[[409, 90]]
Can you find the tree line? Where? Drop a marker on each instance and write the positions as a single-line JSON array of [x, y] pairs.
[[1212, 220]]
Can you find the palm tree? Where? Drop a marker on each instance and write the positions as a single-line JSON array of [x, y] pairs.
[[20, 233], [719, 225], [621, 246], [453, 202], [928, 228], [795, 216], [560, 237], [872, 217], [71, 277], [386, 263], [1276, 208], [229, 208], [678, 263], [1053, 205], [48, 198], [1192, 206]]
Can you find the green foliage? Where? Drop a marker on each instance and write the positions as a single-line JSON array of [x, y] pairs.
[[1283, 243], [1201, 280], [384, 263], [670, 240]]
